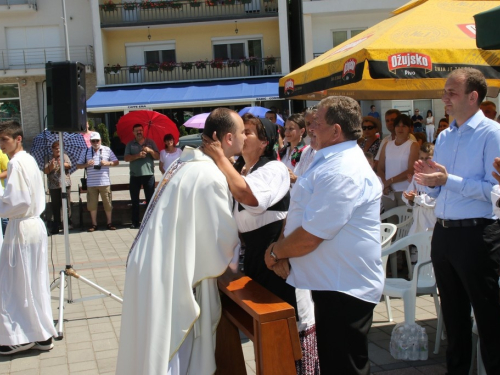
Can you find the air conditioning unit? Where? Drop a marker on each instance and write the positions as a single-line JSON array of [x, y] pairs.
[[89, 69]]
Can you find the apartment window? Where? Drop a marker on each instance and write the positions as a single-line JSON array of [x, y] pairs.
[[159, 56], [229, 51], [10, 105], [236, 48], [341, 36], [151, 52]]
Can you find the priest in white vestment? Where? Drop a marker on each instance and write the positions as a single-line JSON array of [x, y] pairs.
[[26, 313], [171, 305]]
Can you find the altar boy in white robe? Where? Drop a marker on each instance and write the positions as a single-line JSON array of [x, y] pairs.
[[171, 305], [25, 311]]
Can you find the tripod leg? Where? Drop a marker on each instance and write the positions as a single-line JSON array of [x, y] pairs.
[[60, 324], [55, 284], [100, 289]]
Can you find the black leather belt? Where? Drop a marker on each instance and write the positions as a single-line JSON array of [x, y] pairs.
[[464, 222]]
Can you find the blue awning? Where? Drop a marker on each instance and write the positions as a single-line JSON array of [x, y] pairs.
[[209, 93]]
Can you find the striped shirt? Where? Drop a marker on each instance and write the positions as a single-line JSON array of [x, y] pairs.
[[98, 177]]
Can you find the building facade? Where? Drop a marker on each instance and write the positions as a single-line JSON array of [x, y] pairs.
[[31, 34]]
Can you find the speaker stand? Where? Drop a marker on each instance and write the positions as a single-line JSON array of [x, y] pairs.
[[69, 272]]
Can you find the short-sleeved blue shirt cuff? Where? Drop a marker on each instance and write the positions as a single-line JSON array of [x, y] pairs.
[[454, 183], [308, 227]]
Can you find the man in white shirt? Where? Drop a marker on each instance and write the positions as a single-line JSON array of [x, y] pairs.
[[97, 159], [332, 238]]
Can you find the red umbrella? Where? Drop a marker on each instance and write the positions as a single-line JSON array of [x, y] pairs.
[[155, 126]]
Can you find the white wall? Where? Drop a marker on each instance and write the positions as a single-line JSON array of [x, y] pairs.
[[49, 13]]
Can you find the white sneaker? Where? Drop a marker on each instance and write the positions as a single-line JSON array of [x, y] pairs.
[[43, 345]]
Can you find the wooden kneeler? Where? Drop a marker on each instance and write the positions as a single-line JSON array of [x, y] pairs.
[[265, 319]]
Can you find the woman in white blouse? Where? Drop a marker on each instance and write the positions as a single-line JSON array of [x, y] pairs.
[[295, 129], [429, 126], [169, 154], [308, 153], [396, 163], [260, 186]]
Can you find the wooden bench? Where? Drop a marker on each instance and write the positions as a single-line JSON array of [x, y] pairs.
[[118, 204], [265, 319]]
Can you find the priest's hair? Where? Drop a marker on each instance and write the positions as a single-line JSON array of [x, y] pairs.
[[221, 122]]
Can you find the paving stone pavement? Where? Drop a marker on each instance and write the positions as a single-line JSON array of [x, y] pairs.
[[92, 327]]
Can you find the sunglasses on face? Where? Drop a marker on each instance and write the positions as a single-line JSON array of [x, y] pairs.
[[371, 127], [94, 141]]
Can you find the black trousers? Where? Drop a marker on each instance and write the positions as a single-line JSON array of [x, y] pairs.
[[342, 325], [466, 262], [148, 183], [56, 199]]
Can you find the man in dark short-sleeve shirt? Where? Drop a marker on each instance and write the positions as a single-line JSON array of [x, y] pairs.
[[141, 154]]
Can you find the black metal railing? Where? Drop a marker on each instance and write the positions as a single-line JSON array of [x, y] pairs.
[[19, 2], [147, 12], [35, 58], [191, 71]]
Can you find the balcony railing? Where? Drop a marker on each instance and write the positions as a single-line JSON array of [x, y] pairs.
[[18, 2], [147, 12], [35, 58], [116, 75]]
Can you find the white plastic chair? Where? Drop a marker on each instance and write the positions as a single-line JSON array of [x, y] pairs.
[[387, 232], [405, 219], [423, 281]]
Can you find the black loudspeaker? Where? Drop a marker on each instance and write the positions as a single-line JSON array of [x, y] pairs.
[[66, 99]]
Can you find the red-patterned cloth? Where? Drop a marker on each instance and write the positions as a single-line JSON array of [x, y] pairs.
[[309, 364]]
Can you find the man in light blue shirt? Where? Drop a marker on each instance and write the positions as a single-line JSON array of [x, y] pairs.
[[332, 238], [465, 252]]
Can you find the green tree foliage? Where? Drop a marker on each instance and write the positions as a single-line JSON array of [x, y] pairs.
[[183, 131], [103, 131]]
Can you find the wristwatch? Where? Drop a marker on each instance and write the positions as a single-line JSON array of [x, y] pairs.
[[273, 255]]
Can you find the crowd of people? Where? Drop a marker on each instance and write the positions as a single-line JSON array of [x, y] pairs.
[[306, 210]]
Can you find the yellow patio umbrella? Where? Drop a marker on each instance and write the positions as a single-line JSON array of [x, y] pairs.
[[407, 56]]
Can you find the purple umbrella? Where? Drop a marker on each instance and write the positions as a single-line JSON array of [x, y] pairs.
[[197, 121], [260, 112]]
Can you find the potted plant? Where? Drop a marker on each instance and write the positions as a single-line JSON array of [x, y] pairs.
[[210, 3], [250, 61], [217, 64], [200, 64], [129, 5], [168, 66], [113, 69], [233, 63], [270, 60], [175, 5], [195, 4], [108, 6], [186, 65], [147, 4], [229, 2], [152, 67], [162, 4], [134, 69]]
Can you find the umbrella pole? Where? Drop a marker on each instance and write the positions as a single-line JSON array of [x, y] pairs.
[[69, 272]]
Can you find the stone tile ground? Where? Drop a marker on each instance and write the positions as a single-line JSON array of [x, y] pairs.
[[92, 328]]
